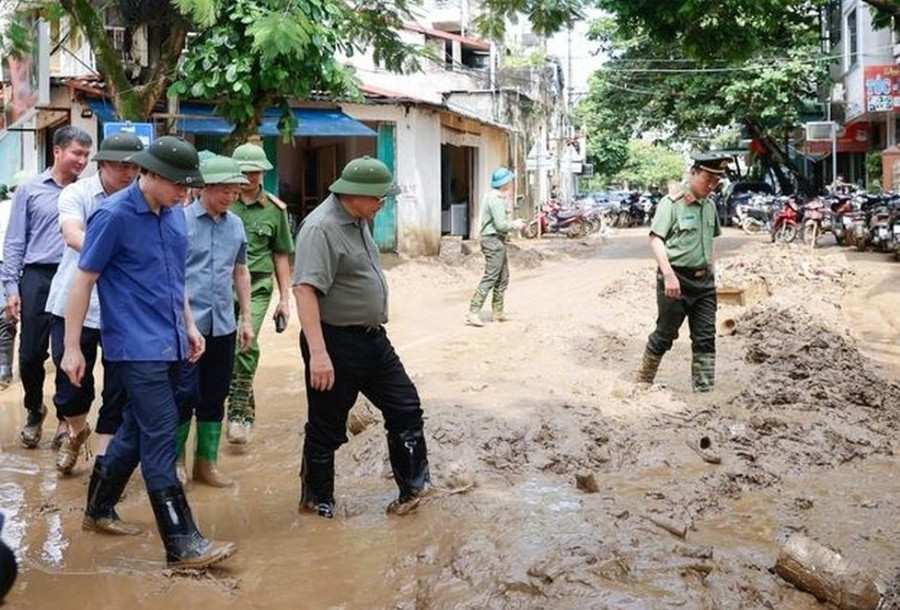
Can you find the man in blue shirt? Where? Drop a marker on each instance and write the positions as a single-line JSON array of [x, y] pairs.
[[32, 249], [135, 250], [216, 269]]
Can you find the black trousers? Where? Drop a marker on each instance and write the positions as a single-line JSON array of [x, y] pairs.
[[364, 361], [203, 385], [34, 340], [71, 400], [697, 303]]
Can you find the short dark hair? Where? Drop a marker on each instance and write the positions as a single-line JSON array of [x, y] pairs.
[[64, 136]]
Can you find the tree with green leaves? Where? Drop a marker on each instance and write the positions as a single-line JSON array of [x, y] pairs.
[[685, 70], [248, 55]]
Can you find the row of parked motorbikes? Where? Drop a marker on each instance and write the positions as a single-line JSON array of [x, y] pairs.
[[589, 216], [856, 219]]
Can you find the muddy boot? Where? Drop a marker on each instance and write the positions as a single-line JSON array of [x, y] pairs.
[[181, 436], [32, 430], [703, 372], [497, 314], [9, 567], [649, 366], [7, 339], [473, 318], [186, 547], [409, 463], [70, 449], [206, 457], [317, 483], [104, 490], [240, 410]]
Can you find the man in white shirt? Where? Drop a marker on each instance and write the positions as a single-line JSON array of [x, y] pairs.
[[77, 203]]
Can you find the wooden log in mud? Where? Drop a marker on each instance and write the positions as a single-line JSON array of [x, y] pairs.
[[816, 569], [673, 527]]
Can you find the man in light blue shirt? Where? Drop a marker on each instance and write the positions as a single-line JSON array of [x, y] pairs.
[[32, 249], [77, 203], [216, 269]]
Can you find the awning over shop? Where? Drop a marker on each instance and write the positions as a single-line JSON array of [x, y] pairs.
[[200, 119]]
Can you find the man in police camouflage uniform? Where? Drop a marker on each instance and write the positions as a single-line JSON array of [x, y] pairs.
[[269, 246], [681, 238]]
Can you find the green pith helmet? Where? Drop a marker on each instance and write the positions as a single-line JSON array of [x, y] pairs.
[[118, 147], [251, 158], [173, 159], [222, 170], [365, 176]]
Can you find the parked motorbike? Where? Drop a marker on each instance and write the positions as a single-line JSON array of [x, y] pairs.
[[874, 230], [895, 230], [841, 207], [817, 219], [554, 219], [786, 220], [753, 215]]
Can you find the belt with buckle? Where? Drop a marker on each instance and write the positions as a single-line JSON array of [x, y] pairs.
[[691, 272]]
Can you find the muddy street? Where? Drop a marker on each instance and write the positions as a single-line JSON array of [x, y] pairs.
[[559, 481]]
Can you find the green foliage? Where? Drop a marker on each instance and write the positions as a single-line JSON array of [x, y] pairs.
[[874, 167], [546, 16], [650, 165], [269, 52], [678, 70]]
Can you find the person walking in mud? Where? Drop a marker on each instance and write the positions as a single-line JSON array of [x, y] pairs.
[[32, 249], [681, 239], [216, 271], [77, 203], [342, 300], [7, 325], [147, 333], [495, 229], [269, 246]]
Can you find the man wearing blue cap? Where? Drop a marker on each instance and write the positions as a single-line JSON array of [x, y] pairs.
[[495, 229]]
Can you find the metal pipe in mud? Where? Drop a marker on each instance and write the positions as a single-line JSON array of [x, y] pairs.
[[727, 326]]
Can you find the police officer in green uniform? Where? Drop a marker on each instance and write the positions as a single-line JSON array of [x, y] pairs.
[[495, 228], [269, 246], [681, 238]]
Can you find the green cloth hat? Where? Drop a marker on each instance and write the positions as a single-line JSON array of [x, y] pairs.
[[118, 147], [712, 162], [251, 158], [365, 176], [222, 170], [173, 159]]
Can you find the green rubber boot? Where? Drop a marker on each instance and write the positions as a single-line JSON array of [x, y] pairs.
[[703, 372], [206, 469], [181, 437]]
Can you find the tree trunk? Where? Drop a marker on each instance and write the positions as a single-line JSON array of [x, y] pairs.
[[779, 160]]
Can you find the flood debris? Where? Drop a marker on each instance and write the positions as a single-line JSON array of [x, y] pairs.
[[816, 569], [672, 526], [587, 483]]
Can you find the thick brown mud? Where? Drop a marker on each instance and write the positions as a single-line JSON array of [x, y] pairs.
[[560, 482]]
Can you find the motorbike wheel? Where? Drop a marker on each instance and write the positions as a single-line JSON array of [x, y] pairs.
[[530, 231], [810, 233], [577, 229], [751, 226], [786, 233]]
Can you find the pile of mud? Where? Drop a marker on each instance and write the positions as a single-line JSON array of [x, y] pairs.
[[783, 266]]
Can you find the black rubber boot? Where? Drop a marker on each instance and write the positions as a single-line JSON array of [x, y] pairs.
[[104, 490], [317, 483], [185, 546], [9, 568], [409, 462]]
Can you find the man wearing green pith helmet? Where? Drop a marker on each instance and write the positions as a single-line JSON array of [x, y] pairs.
[[269, 246]]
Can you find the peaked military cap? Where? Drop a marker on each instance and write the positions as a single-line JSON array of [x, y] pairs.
[[714, 163]]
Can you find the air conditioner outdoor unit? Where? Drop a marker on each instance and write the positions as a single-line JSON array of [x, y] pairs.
[[820, 131]]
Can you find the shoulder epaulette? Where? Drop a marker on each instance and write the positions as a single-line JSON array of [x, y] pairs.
[[676, 193], [278, 202]]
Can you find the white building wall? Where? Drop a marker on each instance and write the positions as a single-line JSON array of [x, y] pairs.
[[874, 47], [417, 169]]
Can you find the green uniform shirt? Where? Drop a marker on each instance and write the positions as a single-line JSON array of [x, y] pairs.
[[494, 219], [687, 226], [267, 229], [337, 256]]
